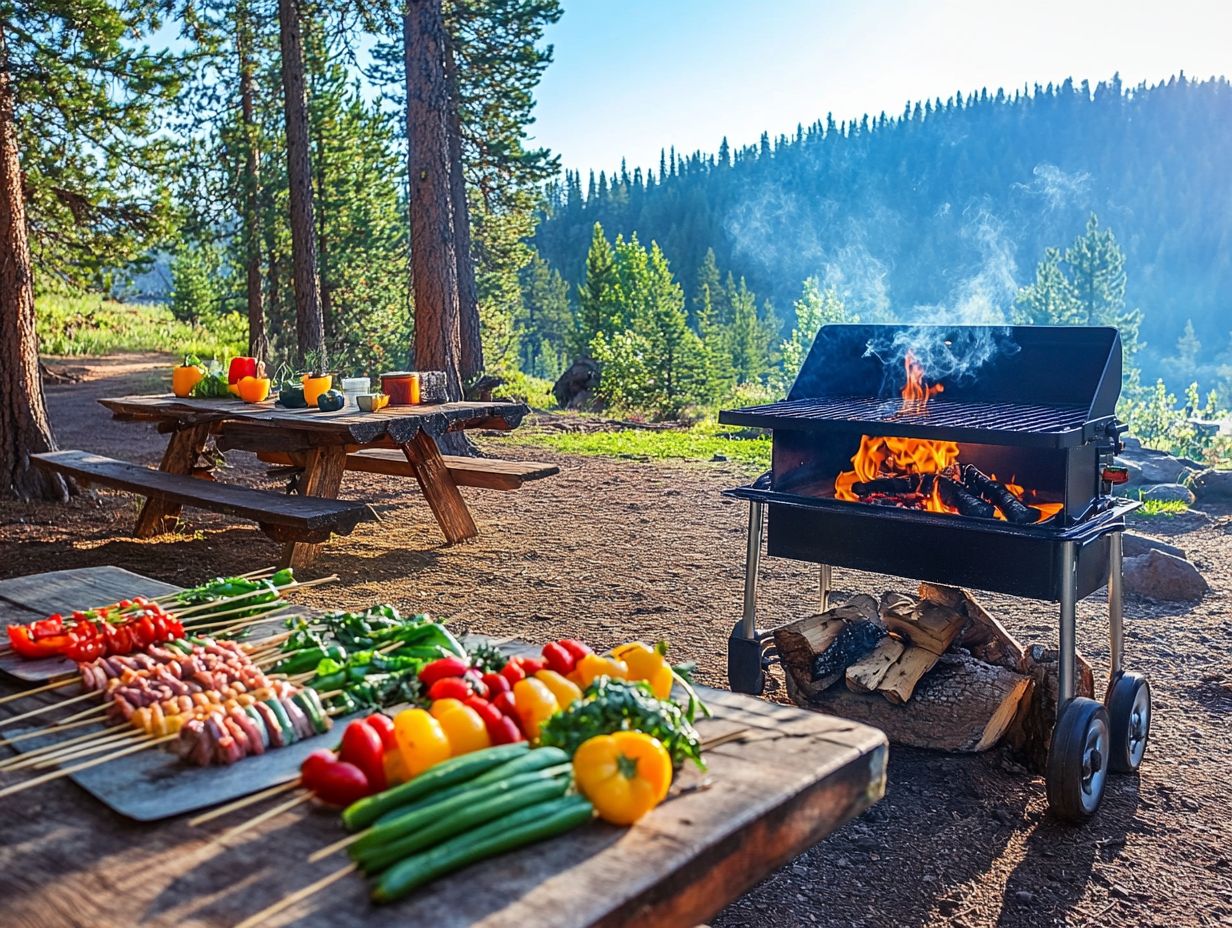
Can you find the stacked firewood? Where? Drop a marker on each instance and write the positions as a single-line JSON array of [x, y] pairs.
[[963, 487], [932, 670]]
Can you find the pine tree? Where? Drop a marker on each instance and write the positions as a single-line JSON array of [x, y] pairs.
[[545, 319], [749, 340], [709, 288], [1050, 300], [1096, 267], [717, 375], [815, 308], [598, 296]]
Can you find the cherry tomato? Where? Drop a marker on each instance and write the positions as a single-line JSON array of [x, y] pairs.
[[496, 684]]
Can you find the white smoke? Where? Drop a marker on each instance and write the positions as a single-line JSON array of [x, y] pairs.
[[1057, 188]]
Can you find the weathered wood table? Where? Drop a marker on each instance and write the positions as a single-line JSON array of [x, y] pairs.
[[317, 443], [790, 779]]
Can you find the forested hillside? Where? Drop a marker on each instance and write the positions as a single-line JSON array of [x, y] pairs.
[[949, 204]]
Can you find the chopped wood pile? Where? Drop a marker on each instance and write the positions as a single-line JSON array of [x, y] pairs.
[[932, 670]]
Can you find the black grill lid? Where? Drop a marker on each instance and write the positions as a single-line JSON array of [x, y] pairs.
[[1021, 385]]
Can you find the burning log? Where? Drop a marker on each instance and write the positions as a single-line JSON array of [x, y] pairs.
[[890, 486], [955, 494], [1014, 509]]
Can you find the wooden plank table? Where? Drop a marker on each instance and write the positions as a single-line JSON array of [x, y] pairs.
[[319, 443], [791, 779]]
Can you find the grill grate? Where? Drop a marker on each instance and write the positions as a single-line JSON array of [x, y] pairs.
[[938, 414]]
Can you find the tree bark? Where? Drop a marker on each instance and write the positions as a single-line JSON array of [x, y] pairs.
[[309, 323], [258, 342], [434, 261], [471, 360], [24, 426]]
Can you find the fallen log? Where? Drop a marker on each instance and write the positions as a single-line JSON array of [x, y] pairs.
[[963, 705]]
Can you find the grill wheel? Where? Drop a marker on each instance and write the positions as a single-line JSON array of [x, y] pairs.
[[1129, 712], [1078, 760]]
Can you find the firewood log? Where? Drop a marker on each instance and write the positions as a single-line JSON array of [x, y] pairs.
[[982, 635], [983, 486], [955, 494], [854, 640], [963, 705], [865, 674], [892, 486], [799, 643]]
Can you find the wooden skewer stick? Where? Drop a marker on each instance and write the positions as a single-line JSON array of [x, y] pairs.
[[84, 765], [86, 713], [71, 744], [263, 817], [253, 612], [210, 606], [43, 732], [50, 748], [263, 917], [336, 846], [232, 627], [88, 750], [47, 708], [230, 807], [54, 685]]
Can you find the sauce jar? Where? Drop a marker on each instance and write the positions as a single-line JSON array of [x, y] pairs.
[[402, 387]]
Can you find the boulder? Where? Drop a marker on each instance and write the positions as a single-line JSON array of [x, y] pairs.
[[1165, 577], [1213, 486], [1135, 545], [1148, 467], [1170, 492]]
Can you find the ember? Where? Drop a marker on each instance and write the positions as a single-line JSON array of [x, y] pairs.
[[925, 474]]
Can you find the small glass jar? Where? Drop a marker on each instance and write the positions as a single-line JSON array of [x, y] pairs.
[[402, 387], [353, 386]]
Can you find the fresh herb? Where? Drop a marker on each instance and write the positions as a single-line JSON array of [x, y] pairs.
[[487, 658], [610, 705]]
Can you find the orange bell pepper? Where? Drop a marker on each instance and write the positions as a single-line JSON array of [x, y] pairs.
[[185, 377], [535, 705], [592, 665], [253, 389]]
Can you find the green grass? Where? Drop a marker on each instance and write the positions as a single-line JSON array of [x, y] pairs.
[[90, 325], [700, 443], [1163, 507]]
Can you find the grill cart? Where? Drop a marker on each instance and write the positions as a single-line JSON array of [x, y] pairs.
[[966, 455]]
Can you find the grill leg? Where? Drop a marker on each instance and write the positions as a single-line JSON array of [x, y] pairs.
[[1069, 604], [1116, 607], [752, 560], [824, 579]]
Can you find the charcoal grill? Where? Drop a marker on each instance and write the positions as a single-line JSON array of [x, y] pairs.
[[1035, 404]]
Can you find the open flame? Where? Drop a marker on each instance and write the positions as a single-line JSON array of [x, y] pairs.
[[917, 392], [921, 473]]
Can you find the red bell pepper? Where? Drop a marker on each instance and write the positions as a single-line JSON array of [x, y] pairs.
[[506, 705], [362, 746], [508, 732], [530, 665], [577, 650], [496, 684], [240, 368], [333, 781], [25, 644], [442, 668], [512, 673]]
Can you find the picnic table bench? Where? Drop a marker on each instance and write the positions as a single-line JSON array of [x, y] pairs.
[[320, 447], [787, 779]]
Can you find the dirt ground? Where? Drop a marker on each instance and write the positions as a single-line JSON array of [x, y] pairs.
[[611, 550]]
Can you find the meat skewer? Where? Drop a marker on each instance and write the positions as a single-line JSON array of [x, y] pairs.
[[1014, 509]]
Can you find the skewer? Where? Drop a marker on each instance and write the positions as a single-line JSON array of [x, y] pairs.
[[230, 807], [274, 606], [43, 732], [336, 846], [210, 606], [228, 629], [263, 917], [47, 708], [84, 765], [93, 710], [16, 759], [263, 817], [55, 685], [85, 750]]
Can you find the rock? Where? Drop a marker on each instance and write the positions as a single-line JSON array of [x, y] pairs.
[[1170, 492], [1148, 467], [1024, 897], [719, 458], [1213, 486], [1135, 545], [1164, 577]]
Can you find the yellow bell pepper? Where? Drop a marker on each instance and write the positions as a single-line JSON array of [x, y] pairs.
[[592, 665], [464, 729], [184, 378], [624, 774], [563, 689], [440, 706], [647, 663], [535, 704], [421, 740]]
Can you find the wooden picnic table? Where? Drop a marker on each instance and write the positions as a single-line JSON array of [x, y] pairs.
[[786, 782], [317, 444]]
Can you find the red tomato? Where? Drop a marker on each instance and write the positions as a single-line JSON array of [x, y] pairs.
[[512, 673], [449, 688], [492, 717], [315, 762], [507, 732], [496, 684], [558, 659], [505, 704], [575, 648], [441, 669], [531, 665], [338, 784]]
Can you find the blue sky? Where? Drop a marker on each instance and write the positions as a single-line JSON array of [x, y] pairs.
[[632, 76]]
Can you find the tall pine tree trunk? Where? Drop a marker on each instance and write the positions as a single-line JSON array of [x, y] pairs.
[[309, 323], [24, 427], [258, 343], [434, 259], [471, 360]]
